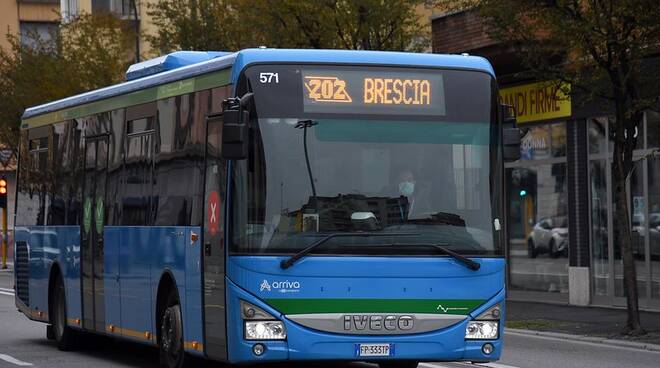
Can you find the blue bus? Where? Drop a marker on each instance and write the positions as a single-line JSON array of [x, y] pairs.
[[271, 205]]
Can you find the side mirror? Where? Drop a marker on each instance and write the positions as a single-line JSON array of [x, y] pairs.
[[510, 134], [511, 144], [235, 131]]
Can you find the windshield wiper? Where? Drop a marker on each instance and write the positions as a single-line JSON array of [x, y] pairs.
[[474, 266], [294, 258]]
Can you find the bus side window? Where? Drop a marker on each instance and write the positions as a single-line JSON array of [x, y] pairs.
[[138, 183], [179, 160], [40, 178], [32, 181]]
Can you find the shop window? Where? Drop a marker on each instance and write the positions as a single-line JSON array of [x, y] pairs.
[[558, 140], [537, 212], [599, 227], [652, 129], [654, 224], [597, 130], [544, 142], [639, 134], [538, 228]]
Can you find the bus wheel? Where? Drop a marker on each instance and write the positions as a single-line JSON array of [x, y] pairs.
[[64, 336], [170, 343], [398, 365]]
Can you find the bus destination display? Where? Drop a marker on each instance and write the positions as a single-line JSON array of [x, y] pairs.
[[367, 92]]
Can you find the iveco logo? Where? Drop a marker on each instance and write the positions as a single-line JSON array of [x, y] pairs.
[[376, 322]]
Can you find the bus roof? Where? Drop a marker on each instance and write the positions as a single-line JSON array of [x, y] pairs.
[[237, 61]]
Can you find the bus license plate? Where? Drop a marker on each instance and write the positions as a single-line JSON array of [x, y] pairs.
[[374, 350]]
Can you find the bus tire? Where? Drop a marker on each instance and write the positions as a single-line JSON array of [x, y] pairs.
[[170, 341], [64, 337], [403, 364], [50, 335]]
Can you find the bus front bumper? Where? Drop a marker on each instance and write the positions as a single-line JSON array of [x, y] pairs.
[[306, 344], [303, 344]]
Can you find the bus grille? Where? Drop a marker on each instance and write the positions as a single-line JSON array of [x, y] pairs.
[[21, 268]]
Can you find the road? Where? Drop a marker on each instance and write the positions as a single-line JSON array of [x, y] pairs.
[[23, 343]]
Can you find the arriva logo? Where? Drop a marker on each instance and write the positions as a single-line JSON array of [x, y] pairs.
[[285, 286], [264, 286]]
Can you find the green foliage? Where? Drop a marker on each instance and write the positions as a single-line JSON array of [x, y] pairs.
[[193, 25], [599, 46], [604, 49], [99, 47], [88, 52], [236, 24]]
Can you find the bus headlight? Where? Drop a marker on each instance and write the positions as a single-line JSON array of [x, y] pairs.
[[259, 324], [482, 330], [264, 330]]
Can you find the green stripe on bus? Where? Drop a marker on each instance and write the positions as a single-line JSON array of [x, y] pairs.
[[433, 306], [199, 83]]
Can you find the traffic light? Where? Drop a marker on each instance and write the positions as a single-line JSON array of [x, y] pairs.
[[3, 192]]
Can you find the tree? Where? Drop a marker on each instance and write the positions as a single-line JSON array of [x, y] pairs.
[[88, 52], [602, 48], [194, 25], [236, 24]]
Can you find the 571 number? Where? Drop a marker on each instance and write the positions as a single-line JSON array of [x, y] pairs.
[[269, 77]]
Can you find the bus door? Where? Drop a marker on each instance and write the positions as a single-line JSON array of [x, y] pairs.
[[215, 340], [96, 163]]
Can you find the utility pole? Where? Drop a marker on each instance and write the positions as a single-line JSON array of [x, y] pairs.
[[3, 204], [137, 31]]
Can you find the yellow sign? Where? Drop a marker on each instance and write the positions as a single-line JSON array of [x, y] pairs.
[[394, 91], [327, 89], [538, 101]]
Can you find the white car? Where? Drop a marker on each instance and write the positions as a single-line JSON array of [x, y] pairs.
[[549, 235]]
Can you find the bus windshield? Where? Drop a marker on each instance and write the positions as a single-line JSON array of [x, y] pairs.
[[426, 177]]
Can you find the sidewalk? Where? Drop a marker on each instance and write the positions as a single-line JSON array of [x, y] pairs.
[[603, 323]]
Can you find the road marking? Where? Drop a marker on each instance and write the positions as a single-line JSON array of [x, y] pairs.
[[13, 360], [4, 293], [495, 365], [446, 365], [7, 290], [466, 364]]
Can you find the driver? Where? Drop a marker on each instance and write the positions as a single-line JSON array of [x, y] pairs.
[[413, 191]]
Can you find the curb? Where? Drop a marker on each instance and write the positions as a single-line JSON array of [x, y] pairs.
[[592, 339]]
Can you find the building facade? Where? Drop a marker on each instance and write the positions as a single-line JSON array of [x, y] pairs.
[[22, 17], [560, 220]]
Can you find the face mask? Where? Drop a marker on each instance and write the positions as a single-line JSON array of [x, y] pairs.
[[406, 188]]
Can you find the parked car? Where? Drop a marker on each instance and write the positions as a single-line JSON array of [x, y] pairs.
[[549, 235], [639, 232]]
